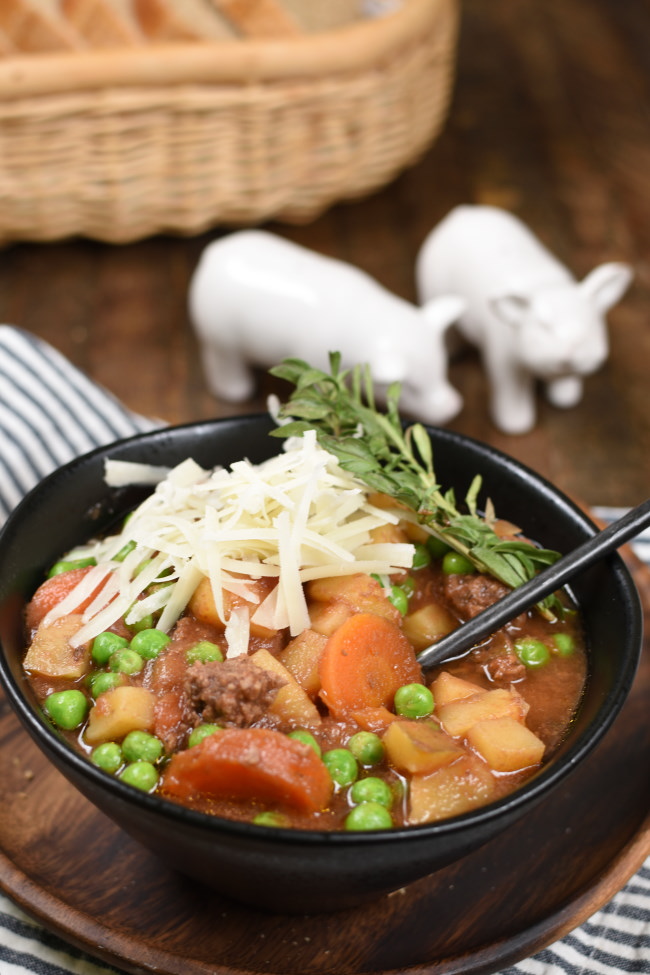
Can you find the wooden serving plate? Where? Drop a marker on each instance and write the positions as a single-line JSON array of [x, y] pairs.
[[69, 867]]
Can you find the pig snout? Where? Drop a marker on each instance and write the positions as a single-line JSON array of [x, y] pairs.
[[579, 365], [581, 359], [588, 358]]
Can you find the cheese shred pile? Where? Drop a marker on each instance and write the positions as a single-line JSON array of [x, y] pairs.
[[295, 517]]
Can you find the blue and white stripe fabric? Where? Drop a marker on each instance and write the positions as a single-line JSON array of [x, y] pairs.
[[49, 413], [641, 543], [614, 940]]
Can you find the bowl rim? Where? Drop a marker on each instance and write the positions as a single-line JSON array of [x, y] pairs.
[[48, 739]]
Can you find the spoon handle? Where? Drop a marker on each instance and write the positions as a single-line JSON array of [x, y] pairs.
[[461, 640]]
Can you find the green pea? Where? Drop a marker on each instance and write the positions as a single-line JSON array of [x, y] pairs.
[[368, 816], [455, 564], [306, 737], [532, 653], [367, 748], [142, 775], [103, 681], [146, 623], [437, 548], [341, 765], [65, 565], [140, 746], [564, 644], [148, 643], [124, 551], [204, 652], [413, 701], [107, 756], [397, 596], [408, 585], [372, 789], [105, 645], [271, 819], [202, 731], [67, 709], [126, 661], [421, 556]]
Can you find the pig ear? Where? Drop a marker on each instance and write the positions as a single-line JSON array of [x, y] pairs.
[[607, 284], [443, 311], [510, 309]]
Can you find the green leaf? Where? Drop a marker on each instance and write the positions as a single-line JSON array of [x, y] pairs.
[[494, 564], [385, 485], [295, 429], [311, 377], [335, 362], [423, 443], [392, 403], [472, 495], [387, 457], [289, 369]]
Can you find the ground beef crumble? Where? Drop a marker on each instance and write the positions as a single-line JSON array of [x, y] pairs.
[[501, 662], [471, 594], [235, 692]]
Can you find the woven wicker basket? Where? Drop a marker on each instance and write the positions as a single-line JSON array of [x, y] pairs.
[[179, 138]]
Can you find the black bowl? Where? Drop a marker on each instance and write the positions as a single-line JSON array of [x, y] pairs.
[[291, 870]]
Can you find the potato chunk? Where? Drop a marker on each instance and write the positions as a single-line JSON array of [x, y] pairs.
[[301, 656], [506, 744], [203, 606], [358, 593], [291, 702], [428, 624], [450, 791], [457, 717], [326, 618], [446, 687], [419, 746], [391, 534], [119, 711], [50, 652]]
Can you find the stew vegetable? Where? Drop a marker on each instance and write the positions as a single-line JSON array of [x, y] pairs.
[[247, 646]]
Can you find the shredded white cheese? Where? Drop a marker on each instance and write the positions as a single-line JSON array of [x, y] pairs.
[[297, 516], [118, 473]]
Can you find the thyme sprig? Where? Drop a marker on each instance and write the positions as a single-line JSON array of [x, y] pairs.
[[397, 460]]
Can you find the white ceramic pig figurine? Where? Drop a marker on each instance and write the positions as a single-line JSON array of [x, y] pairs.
[[256, 299], [524, 309]]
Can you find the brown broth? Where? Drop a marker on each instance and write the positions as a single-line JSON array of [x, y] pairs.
[[551, 692]]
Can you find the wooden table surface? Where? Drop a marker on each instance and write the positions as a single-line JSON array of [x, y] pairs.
[[550, 118]]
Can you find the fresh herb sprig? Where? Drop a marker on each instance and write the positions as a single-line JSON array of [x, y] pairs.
[[397, 460]]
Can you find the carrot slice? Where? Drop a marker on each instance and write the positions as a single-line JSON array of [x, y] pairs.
[[251, 763], [364, 662], [50, 593], [374, 719]]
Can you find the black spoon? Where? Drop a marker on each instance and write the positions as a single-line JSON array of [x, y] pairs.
[[460, 641]]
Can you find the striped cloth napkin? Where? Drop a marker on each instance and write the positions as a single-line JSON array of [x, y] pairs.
[[49, 413]]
